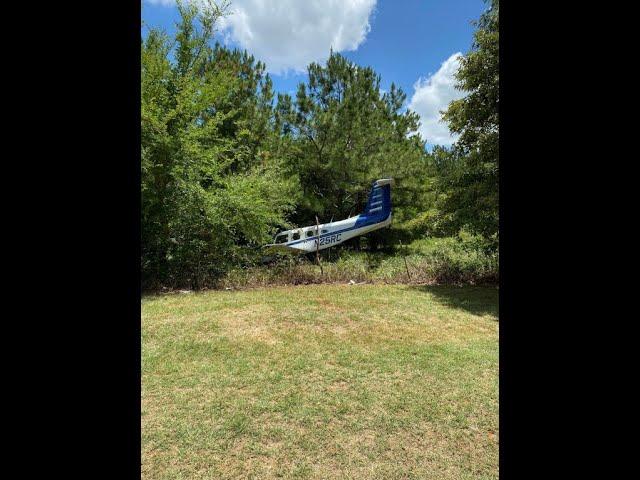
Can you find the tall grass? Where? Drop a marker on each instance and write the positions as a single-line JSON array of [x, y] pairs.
[[464, 260]]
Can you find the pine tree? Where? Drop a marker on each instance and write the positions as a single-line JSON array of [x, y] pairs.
[[470, 179]]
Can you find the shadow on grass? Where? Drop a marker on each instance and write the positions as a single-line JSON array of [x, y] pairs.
[[477, 300]]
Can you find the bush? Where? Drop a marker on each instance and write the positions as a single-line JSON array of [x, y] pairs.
[[462, 260], [433, 260]]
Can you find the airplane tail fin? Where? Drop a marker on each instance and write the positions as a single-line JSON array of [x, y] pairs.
[[379, 203]]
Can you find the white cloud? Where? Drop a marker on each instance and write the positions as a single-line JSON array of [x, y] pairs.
[[290, 34], [432, 95]]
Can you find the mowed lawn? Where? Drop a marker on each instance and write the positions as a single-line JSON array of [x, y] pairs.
[[321, 381]]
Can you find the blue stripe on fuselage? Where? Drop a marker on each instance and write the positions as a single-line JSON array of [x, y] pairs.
[[369, 220], [379, 194]]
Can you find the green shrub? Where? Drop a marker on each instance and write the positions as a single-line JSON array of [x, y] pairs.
[[432, 260]]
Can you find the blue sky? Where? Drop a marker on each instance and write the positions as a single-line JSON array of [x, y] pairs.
[[412, 43]]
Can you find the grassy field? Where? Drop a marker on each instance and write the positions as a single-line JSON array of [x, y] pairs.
[[321, 381]]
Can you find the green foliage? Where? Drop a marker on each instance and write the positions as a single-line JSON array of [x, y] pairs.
[[225, 164], [465, 259], [468, 174], [347, 134], [211, 189]]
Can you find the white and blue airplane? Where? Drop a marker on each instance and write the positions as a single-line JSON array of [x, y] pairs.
[[376, 215]]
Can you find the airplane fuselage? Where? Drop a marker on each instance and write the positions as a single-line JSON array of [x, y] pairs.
[[377, 215], [331, 234]]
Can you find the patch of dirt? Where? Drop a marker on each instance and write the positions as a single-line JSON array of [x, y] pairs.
[[249, 323]]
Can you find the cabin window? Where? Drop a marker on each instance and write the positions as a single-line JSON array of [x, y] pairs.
[[296, 235], [282, 238], [309, 233], [324, 231]]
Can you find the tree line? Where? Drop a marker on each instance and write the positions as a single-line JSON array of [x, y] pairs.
[[226, 162]]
